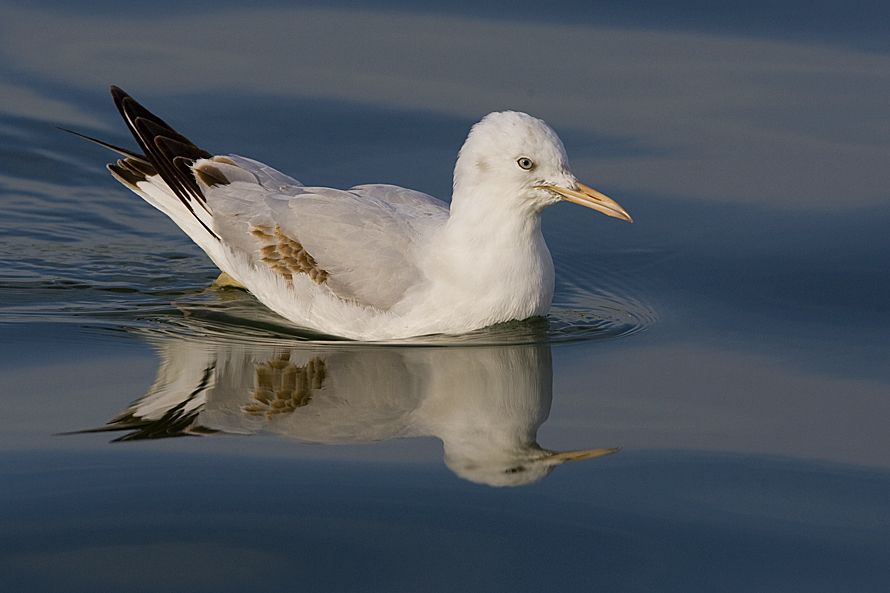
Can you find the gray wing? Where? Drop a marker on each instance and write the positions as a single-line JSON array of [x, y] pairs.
[[359, 242]]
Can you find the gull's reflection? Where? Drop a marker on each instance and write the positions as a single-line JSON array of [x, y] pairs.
[[484, 403]]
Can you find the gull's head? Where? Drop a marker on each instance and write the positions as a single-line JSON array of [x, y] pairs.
[[516, 157]]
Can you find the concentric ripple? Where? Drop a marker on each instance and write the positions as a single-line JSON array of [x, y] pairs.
[[230, 313], [166, 294]]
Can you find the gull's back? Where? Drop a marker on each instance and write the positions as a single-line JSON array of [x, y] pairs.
[[361, 243]]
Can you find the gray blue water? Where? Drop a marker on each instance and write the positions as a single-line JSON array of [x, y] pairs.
[[732, 343]]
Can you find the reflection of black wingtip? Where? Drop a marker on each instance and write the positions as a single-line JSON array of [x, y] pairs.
[[141, 430], [175, 422], [73, 432]]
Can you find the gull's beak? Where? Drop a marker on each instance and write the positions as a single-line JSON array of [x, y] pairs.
[[589, 197], [564, 456]]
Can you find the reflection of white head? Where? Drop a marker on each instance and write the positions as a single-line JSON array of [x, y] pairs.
[[485, 403], [519, 468]]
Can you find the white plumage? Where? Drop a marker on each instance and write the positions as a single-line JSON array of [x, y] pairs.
[[374, 262]]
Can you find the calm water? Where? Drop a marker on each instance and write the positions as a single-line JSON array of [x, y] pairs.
[[733, 342]]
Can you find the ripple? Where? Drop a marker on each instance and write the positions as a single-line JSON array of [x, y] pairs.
[[131, 285], [227, 314], [224, 314]]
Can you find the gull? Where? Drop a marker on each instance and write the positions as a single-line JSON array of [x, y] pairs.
[[373, 262]]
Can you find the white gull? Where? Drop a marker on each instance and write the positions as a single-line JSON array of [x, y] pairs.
[[374, 262]]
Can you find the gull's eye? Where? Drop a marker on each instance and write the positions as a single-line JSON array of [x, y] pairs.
[[525, 163]]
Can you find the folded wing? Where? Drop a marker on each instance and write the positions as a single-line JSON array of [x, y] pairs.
[[361, 243]]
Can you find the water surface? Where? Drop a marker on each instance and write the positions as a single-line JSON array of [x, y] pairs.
[[732, 342]]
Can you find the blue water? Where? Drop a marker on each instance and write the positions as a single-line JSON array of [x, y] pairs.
[[159, 434]]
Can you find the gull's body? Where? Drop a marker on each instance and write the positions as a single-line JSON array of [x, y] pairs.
[[373, 262]]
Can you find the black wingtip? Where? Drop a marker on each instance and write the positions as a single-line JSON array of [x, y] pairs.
[[162, 145], [121, 151], [118, 94], [120, 170], [117, 91]]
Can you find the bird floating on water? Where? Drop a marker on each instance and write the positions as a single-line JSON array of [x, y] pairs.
[[374, 262]]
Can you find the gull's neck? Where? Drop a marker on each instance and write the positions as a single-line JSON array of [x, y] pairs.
[[491, 214], [489, 261]]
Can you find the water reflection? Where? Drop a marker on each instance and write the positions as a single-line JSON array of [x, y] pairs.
[[484, 403]]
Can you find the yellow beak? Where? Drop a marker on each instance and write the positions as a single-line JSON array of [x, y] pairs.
[[589, 197]]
